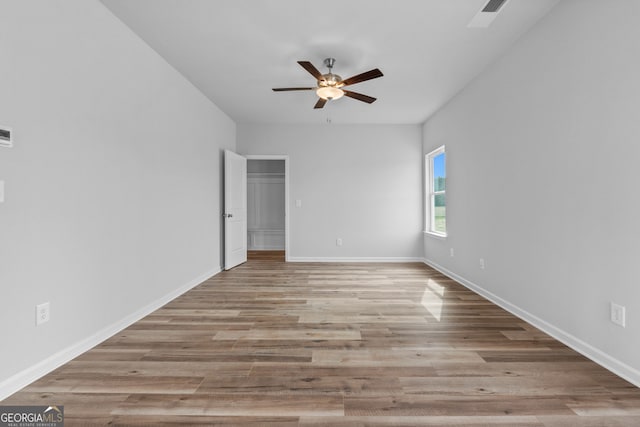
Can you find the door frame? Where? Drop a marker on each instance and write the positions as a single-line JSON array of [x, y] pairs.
[[286, 193]]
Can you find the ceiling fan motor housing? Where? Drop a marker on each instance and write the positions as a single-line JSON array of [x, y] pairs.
[[330, 79]]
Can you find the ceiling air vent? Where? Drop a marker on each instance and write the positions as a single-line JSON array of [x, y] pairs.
[[493, 6], [487, 14], [6, 137]]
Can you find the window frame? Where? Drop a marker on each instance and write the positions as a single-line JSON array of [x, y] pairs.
[[430, 220]]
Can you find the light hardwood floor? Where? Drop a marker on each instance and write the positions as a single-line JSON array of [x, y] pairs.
[[274, 343]]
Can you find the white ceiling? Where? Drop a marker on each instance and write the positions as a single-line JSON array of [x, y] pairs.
[[235, 51]]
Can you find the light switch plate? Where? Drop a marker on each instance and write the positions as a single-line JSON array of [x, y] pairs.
[[618, 314]]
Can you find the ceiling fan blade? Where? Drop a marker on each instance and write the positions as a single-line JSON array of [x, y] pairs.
[[284, 89], [311, 69], [371, 74], [359, 96], [320, 103]]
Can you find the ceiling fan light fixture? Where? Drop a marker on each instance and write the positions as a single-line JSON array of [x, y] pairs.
[[329, 92]]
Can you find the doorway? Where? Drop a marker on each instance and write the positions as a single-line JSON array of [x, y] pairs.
[[267, 207]]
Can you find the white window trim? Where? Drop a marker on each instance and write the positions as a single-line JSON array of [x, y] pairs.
[[430, 193]]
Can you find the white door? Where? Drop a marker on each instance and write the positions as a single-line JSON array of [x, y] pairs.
[[235, 209]]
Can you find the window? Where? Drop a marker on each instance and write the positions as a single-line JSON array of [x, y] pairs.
[[436, 196]]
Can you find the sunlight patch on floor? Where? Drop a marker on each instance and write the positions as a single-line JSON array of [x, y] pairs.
[[432, 298]]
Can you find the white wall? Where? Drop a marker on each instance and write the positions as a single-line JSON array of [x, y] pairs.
[[113, 186], [542, 163], [361, 183]]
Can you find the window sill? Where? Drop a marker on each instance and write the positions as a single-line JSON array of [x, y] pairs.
[[439, 236]]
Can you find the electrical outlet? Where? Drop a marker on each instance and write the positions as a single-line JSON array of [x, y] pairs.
[[618, 314], [451, 251], [43, 313], [338, 241], [482, 263]]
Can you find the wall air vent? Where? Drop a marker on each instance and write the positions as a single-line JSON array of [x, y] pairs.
[[487, 14], [6, 137]]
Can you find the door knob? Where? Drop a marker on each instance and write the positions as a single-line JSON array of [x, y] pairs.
[[227, 216]]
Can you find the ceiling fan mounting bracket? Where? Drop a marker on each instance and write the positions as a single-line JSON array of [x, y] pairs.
[[328, 62]]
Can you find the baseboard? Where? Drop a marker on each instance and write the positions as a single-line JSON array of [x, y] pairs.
[[598, 356], [29, 375], [355, 259]]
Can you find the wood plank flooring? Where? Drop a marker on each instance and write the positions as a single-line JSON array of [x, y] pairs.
[[287, 344]]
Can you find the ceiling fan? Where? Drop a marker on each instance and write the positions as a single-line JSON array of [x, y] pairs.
[[330, 86]]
